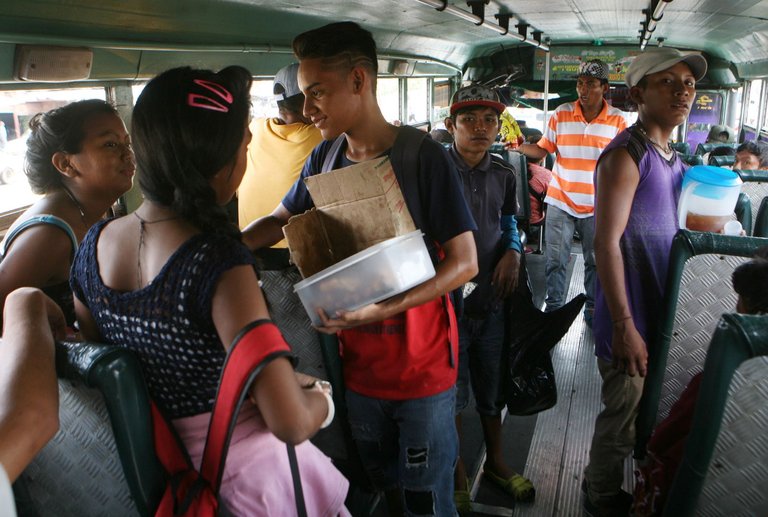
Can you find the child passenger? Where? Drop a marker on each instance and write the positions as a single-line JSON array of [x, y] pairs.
[[489, 188], [173, 282], [79, 157], [638, 181]]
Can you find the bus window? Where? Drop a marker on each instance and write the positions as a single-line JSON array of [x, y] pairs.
[[417, 98], [263, 103], [753, 109], [388, 95], [16, 109]]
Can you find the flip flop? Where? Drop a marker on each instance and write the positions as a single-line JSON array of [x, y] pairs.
[[517, 486], [463, 501]]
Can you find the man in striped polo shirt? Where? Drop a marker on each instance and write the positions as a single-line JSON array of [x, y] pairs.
[[577, 133]]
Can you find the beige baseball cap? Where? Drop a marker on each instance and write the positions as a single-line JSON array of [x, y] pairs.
[[658, 59]]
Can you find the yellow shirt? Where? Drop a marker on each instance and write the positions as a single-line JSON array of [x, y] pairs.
[[276, 155]]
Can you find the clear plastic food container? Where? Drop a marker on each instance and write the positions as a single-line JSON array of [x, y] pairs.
[[369, 276]]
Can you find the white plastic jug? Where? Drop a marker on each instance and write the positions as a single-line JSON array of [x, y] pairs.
[[708, 198]]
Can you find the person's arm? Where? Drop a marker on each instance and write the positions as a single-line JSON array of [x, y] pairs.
[[29, 393], [532, 151], [267, 230], [38, 256], [617, 180], [292, 414], [507, 270], [458, 267]]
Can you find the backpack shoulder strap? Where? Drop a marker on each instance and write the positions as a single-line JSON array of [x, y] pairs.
[[259, 343], [405, 163], [333, 153]]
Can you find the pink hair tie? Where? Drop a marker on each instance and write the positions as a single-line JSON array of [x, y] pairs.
[[197, 100]]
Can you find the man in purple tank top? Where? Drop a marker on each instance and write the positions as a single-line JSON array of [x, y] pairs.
[[638, 180]]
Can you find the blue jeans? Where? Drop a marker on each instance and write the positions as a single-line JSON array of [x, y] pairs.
[[410, 445], [480, 348], [558, 238]]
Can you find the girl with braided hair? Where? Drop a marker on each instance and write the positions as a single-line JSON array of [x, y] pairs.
[[173, 282]]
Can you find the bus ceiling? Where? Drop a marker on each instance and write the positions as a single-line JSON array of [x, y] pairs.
[[486, 40]]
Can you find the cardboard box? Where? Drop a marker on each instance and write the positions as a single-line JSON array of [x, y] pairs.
[[355, 207]]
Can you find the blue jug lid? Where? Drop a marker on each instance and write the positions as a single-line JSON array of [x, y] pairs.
[[712, 175]]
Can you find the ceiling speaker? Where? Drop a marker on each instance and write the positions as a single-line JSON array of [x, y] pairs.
[[52, 64]]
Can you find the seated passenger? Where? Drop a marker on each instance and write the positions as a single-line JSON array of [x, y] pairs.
[[666, 447], [538, 179], [173, 283], [79, 157], [751, 156], [29, 393]]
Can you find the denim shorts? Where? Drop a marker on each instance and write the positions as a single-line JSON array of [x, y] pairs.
[[409, 445], [481, 343]]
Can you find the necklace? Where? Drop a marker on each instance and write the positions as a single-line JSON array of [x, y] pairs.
[[77, 204], [665, 150], [142, 223]]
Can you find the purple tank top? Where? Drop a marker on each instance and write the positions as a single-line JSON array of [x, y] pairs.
[[647, 239]]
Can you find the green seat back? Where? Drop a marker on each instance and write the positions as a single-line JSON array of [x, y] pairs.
[[743, 212], [102, 460], [755, 186], [520, 163], [703, 149], [722, 161], [549, 161], [692, 159], [724, 469], [698, 290], [681, 147], [761, 219]]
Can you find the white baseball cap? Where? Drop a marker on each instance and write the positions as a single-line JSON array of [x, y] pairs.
[[658, 59]]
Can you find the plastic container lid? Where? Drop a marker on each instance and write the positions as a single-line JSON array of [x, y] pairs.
[[712, 175], [357, 257]]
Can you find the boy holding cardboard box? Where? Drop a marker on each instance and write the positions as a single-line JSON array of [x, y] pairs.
[[400, 355]]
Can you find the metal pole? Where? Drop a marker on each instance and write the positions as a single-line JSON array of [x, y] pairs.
[[547, 58]]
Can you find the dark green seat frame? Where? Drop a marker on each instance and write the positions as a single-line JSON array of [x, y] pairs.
[[755, 187], [761, 220], [685, 245], [116, 373], [737, 338]]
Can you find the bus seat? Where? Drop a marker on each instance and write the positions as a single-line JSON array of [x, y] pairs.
[[319, 356], [755, 186], [698, 291], [760, 228], [743, 212], [703, 149], [692, 159], [498, 148], [722, 161], [723, 469], [549, 161], [520, 163], [681, 147], [102, 461]]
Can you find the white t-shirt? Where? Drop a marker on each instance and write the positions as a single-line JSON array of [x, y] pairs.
[[7, 504]]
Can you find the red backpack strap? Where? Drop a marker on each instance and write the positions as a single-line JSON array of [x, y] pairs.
[[254, 347], [185, 486]]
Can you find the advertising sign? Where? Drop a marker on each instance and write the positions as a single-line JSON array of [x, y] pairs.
[[565, 61], [705, 113]]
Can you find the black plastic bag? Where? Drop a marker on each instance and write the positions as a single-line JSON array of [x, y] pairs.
[[529, 378]]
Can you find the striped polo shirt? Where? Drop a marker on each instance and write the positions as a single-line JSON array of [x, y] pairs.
[[577, 145]]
